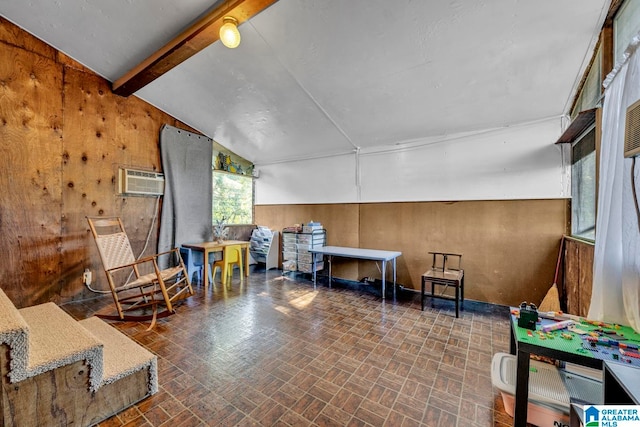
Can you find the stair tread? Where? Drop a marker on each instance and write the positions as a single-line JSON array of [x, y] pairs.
[[121, 355], [14, 332], [56, 339], [11, 320]]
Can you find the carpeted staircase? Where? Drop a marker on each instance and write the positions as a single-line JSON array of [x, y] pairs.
[[59, 371]]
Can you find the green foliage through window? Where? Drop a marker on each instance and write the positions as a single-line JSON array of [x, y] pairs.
[[232, 198]]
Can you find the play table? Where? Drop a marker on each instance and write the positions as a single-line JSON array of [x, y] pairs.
[[575, 347], [207, 247]]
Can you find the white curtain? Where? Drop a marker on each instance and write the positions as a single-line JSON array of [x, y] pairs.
[[616, 270]]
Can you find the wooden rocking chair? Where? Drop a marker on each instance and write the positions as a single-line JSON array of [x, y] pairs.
[[151, 288]]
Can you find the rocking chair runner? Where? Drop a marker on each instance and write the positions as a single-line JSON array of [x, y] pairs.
[[156, 288]]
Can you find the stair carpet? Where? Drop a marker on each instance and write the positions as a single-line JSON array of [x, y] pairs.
[[122, 356], [43, 338]]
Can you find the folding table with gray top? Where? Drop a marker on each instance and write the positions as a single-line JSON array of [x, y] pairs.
[[359, 253]]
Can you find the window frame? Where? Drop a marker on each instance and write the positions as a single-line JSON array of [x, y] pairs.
[[592, 133], [214, 219]]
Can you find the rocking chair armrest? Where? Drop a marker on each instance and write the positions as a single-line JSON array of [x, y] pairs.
[[150, 258], [170, 251], [153, 257]]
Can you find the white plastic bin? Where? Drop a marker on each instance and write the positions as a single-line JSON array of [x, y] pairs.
[[550, 390]]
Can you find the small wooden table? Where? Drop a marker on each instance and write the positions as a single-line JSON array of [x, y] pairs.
[[207, 247]]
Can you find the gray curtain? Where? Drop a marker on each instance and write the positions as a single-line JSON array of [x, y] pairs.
[[186, 207]]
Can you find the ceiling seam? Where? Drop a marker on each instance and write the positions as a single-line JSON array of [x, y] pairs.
[[415, 143], [304, 158]]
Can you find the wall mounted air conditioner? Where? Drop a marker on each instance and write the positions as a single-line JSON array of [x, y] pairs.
[[140, 182], [632, 130]]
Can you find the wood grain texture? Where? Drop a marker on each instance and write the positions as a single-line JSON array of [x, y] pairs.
[[103, 132], [14, 35], [572, 276], [62, 397], [578, 276], [510, 247], [586, 277], [64, 135], [30, 204]]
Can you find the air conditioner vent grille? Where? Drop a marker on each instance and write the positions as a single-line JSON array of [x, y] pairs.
[[632, 131], [140, 182]]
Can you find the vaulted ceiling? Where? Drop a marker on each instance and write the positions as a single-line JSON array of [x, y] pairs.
[[316, 78]]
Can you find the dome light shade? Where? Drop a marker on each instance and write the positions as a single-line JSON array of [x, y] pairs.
[[229, 34]]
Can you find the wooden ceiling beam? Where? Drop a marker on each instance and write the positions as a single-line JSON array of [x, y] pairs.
[[191, 41]]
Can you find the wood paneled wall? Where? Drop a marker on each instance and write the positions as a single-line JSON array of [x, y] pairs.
[[578, 276], [63, 135], [509, 248]]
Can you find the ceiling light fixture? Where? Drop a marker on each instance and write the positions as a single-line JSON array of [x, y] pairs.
[[229, 34]]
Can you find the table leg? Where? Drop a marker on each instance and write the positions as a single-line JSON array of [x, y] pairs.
[[394, 279], [314, 270], [384, 276], [330, 257], [246, 261], [205, 269], [522, 389], [574, 415]]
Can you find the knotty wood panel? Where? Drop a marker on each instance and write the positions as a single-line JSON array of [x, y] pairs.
[[578, 281], [510, 247], [63, 136], [14, 35], [30, 202], [62, 397], [103, 131], [586, 278]]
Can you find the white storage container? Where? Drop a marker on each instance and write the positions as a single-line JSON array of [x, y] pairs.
[[308, 268], [289, 247], [310, 239], [288, 238], [289, 265], [289, 256], [306, 257], [304, 247], [550, 390]]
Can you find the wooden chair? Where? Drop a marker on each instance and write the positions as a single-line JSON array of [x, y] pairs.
[[231, 255], [446, 270], [139, 285]]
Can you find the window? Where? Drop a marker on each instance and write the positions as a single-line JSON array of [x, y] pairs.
[[626, 25], [232, 198], [583, 186], [591, 89]]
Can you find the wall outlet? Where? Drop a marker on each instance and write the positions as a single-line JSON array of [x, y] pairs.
[[86, 276]]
